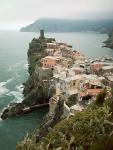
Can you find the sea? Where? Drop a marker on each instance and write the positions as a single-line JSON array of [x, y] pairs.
[[13, 73]]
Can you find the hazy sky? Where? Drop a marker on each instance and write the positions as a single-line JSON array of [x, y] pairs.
[[17, 13]]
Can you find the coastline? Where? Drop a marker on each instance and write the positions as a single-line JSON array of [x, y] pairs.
[[109, 42], [34, 77]]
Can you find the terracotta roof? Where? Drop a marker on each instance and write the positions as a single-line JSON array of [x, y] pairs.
[[92, 92]]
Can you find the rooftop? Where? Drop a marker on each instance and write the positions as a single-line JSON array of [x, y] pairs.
[[51, 43], [110, 78], [77, 68], [76, 77], [107, 67], [94, 92], [51, 57]]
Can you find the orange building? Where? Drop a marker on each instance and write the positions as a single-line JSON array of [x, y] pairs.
[[50, 62], [94, 92], [89, 93]]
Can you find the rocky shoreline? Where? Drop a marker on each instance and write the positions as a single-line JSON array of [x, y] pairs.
[[109, 42], [68, 92], [36, 87]]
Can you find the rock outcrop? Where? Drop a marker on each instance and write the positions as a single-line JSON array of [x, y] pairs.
[[109, 42], [51, 120], [38, 88]]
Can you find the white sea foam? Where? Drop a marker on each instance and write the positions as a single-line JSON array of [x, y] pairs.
[[17, 95], [0, 117], [3, 89], [20, 88], [9, 80], [26, 66]]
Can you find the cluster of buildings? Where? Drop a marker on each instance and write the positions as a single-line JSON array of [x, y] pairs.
[[74, 75]]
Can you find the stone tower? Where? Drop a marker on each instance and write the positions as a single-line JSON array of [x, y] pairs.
[[41, 34]]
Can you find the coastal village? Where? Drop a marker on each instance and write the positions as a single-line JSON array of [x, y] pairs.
[[61, 71], [76, 77], [78, 90]]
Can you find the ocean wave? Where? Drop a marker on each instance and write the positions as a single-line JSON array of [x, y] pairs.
[[0, 117], [3, 89], [9, 80], [17, 96], [20, 88], [26, 66]]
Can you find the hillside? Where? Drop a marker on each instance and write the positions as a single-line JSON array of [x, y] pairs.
[[87, 130], [68, 25]]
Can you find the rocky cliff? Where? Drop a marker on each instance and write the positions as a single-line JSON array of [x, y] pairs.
[[38, 88], [109, 42]]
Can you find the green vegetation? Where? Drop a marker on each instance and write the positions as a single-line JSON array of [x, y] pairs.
[[87, 130], [101, 97], [72, 100], [35, 53]]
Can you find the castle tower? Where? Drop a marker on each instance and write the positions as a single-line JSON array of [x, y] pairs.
[[42, 34]]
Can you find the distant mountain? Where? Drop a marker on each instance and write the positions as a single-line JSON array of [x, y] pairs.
[[69, 25]]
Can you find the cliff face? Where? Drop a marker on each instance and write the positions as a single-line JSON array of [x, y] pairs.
[[38, 88], [109, 41]]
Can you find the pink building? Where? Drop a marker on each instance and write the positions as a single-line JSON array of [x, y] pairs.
[[50, 62], [96, 67]]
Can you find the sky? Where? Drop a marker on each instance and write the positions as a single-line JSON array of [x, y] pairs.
[[17, 13]]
